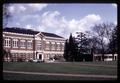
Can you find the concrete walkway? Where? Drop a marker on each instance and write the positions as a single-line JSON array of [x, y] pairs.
[[62, 74]]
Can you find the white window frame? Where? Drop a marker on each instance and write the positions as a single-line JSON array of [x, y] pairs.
[[15, 43], [58, 46], [63, 46], [38, 45], [29, 44], [7, 42], [47, 45], [22, 43], [53, 46]]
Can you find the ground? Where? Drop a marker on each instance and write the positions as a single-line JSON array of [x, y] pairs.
[[76, 68]]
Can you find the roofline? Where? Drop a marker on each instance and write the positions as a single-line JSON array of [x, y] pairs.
[[18, 34], [40, 33], [54, 38], [36, 34]]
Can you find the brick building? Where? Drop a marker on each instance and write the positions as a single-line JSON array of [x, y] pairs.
[[28, 44]]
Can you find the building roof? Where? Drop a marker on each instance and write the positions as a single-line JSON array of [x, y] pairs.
[[50, 35], [29, 31]]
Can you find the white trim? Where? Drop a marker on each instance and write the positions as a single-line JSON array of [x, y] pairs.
[[21, 51], [37, 38], [104, 54], [44, 39], [20, 34], [63, 43], [7, 46], [14, 37], [53, 52], [54, 38], [52, 42], [29, 40], [58, 42], [47, 42], [23, 47], [22, 40], [38, 34], [55, 41]]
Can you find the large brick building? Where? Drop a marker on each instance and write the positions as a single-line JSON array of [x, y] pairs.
[[28, 44]]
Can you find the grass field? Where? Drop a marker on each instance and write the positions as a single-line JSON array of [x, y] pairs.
[[95, 68]]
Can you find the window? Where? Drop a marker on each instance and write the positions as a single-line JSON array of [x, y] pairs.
[[38, 45], [53, 46], [58, 46], [15, 43], [7, 42], [22, 43], [47, 45], [29, 44], [62, 46]]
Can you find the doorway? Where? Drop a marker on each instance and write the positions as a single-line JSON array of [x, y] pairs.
[[40, 56]]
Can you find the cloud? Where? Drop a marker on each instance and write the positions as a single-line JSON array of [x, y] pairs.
[[26, 8], [11, 9], [18, 24], [41, 28], [49, 19], [114, 5], [52, 21], [30, 17], [29, 26], [37, 6], [17, 8]]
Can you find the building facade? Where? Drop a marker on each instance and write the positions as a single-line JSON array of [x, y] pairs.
[[28, 44], [107, 57]]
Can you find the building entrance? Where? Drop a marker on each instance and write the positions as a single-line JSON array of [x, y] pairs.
[[40, 56]]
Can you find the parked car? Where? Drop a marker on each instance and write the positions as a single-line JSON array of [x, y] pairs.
[[50, 60], [37, 60]]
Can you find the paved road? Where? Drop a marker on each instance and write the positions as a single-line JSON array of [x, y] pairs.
[[62, 74]]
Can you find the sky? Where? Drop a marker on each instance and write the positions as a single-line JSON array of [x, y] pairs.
[[61, 19]]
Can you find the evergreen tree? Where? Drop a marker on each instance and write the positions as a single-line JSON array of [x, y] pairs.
[[66, 50], [71, 47], [75, 51], [70, 52]]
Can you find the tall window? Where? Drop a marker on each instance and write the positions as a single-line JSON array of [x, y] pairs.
[[58, 46], [7, 42], [15, 43], [29, 44], [53, 46], [62, 46], [22, 43], [38, 45], [47, 45]]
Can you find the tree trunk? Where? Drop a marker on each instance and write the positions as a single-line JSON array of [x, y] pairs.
[[112, 56], [102, 56]]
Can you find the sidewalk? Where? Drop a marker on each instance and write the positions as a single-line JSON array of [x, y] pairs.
[[62, 74]]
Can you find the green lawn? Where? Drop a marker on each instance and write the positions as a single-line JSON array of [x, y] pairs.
[[100, 68]]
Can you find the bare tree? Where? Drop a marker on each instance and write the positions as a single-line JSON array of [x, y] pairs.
[[113, 42], [6, 14], [103, 31]]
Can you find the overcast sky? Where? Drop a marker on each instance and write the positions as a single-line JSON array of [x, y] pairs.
[[61, 19]]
